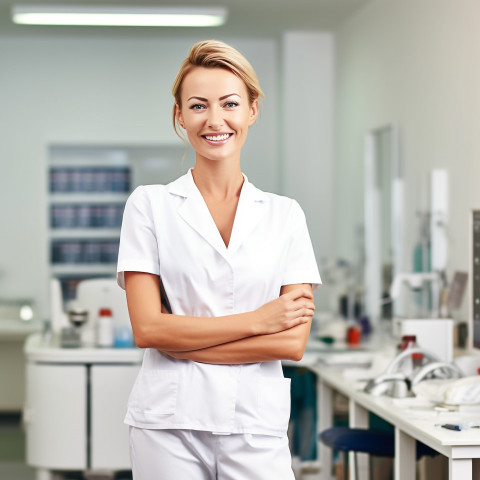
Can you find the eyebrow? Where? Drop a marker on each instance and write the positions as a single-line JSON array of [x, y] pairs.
[[206, 100]]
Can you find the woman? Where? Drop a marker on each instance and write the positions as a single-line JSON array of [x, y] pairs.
[[236, 267]]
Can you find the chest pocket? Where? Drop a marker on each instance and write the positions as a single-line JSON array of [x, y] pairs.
[[155, 392]]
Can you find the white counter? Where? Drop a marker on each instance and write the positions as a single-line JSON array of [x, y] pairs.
[[413, 420], [39, 352], [15, 329]]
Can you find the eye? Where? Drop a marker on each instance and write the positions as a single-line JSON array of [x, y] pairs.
[[197, 106], [231, 105]]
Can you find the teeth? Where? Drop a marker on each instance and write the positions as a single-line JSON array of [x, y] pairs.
[[217, 138]]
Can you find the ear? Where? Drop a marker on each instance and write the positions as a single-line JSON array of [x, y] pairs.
[[253, 112], [179, 116]]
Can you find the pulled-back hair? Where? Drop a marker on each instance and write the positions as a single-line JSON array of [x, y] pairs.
[[215, 54]]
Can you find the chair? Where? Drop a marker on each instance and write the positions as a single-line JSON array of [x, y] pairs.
[[373, 442]]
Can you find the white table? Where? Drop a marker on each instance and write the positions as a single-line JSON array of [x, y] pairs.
[[412, 422]]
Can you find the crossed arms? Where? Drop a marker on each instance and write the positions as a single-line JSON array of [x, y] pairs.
[[276, 331]]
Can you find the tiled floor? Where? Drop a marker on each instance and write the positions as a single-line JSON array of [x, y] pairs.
[[12, 449]]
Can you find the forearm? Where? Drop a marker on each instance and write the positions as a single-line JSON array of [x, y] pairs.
[[287, 345], [153, 328], [183, 333]]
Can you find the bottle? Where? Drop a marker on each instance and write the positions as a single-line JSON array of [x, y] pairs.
[[105, 328], [412, 362]]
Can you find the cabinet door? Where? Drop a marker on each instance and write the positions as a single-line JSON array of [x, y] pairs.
[[110, 389], [56, 416]]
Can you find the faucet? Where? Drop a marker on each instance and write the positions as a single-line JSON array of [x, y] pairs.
[[416, 281], [391, 384], [397, 361], [449, 369], [397, 384]]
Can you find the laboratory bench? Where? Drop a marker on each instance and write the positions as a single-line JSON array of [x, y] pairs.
[[76, 400], [413, 419]]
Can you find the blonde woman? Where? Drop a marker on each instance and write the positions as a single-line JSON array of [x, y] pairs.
[[218, 277]]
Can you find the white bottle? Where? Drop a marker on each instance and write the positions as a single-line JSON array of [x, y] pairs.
[[105, 328]]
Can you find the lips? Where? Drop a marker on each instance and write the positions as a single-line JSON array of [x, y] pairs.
[[218, 138]]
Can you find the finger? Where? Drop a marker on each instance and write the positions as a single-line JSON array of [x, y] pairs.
[[303, 303], [299, 293]]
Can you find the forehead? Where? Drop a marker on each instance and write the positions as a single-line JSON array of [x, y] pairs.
[[212, 83]]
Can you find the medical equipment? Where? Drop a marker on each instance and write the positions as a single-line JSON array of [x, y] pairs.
[[438, 219], [436, 370], [92, 296], [463, 391], [71, 337], [417, 281], [433, 334], [399, 378], [347, 276]]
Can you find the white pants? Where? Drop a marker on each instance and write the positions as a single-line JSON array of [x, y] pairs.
[[196, 455]]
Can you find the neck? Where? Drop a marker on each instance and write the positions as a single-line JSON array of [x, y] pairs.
[[218, 179]]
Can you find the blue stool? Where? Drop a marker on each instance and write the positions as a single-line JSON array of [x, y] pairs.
[[373, 442]]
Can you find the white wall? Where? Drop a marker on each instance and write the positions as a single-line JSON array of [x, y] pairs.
[[95, 91], [416, 64], [307, 133]]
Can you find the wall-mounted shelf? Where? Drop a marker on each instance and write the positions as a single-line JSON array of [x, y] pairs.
[[88, 188]]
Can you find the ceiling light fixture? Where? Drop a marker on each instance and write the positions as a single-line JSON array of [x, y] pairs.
[[119, 16]]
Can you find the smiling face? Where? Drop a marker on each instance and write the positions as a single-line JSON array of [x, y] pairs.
[[215, 113]]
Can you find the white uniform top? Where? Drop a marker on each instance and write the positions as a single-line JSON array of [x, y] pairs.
[[167, 230]]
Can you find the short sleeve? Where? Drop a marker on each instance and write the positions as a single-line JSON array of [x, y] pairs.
[[138, 250], [301, 266]]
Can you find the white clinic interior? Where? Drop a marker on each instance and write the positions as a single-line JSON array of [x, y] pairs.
[[333, 73]]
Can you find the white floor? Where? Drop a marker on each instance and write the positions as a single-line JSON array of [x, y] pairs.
[[16, 471]]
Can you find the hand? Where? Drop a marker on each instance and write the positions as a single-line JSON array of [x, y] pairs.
[[287, 311]]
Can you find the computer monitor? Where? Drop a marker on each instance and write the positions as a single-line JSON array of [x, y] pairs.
[[474, 282]]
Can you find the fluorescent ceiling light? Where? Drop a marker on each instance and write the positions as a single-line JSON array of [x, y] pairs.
[[119, 16]]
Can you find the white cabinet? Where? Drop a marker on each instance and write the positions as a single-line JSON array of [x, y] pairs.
[[109, 435], [76, 400], [55, 416]]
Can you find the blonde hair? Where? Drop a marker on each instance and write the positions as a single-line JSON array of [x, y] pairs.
[[215, 54]]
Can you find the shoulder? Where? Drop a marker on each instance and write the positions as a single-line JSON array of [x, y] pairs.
[[146, 193], [287, 206], [143, 202]]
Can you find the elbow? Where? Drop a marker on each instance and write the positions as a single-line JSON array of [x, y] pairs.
[[151, 333], [140, 339], [142, 334], [297, 355], [297, 350], [140, 342]]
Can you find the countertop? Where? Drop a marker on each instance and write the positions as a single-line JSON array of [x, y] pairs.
[[36, 350]]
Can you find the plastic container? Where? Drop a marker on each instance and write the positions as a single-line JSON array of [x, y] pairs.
[[105, 329], [123, 337]]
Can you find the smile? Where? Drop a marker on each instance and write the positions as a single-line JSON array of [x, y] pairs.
[[218, 138]]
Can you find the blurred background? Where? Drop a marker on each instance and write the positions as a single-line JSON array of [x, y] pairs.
[[98, 99]]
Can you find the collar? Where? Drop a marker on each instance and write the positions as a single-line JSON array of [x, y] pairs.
[[194, 211], [184, 186]]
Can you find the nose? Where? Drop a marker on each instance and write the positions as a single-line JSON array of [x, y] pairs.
[[215, 119]]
